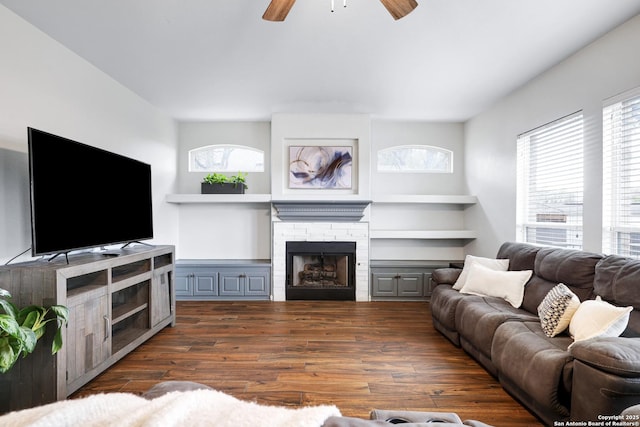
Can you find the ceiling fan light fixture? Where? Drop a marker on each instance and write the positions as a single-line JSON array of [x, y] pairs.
[[279, 9], [399, 8], [344, 4]]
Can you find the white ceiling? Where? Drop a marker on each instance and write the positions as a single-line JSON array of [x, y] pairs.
[[218, 60]]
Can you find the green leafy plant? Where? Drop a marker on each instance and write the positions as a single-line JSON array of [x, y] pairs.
[[215, 178], [240, 178], [20, 329], [219, 178]]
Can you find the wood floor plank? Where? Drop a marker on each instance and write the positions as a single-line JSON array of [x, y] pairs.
[[357, 356]]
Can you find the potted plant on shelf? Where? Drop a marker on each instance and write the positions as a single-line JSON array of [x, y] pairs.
[[20, 329], [218, 183]]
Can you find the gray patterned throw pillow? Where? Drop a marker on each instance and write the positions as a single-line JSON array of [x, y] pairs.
[[556, 309]]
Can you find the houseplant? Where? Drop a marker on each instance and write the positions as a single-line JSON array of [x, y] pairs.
[[218, 183], [20, 329]]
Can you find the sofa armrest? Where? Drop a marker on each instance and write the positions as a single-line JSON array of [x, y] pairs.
[[445, 276], [616, 355]]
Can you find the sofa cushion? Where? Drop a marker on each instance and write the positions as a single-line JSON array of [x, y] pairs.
[[470, 261], [445, 276], [508, 285], [576, 269], [557, 309], [477, 320], [619, 356], [521, 256], [616, 281], [530, 363], [597, 318], [443, 303]]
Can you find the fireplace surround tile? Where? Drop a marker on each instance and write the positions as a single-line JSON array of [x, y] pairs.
[[357, 232]]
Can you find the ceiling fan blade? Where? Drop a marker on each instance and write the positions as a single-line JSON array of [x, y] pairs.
[[278, 10], [399, 8]]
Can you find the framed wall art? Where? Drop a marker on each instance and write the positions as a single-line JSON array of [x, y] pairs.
[[320, 167]]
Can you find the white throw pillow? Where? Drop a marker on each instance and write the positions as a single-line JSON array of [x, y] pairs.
[[556, 309], [469, 260], [508, 285], [597, 318]]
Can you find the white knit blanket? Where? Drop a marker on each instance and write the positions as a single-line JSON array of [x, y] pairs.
[[187, 408]]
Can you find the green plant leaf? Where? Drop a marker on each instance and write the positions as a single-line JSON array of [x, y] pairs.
[[20, 330], [30, 319], [57, 341], [29, 340], [30, 314], [9, 326], [7, 356], [9, 308], [61, 312]]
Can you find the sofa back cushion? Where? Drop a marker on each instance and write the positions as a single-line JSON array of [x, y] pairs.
[[576, 269], [521, 256], [617, 281]]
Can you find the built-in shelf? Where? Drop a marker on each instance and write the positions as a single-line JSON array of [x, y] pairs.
[[218, 198], [423, 234], [266, 198], [426, 199]]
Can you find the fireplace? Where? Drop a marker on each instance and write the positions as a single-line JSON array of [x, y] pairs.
[[320, 270]]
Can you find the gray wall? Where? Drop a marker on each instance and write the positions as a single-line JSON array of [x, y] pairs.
[[243, 231], [605, 68], [14, 203], [75, 100]]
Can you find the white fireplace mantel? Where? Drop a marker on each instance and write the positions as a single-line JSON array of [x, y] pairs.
[[315, 210]]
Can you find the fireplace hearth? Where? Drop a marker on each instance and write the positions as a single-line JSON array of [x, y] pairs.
[[320, 270]]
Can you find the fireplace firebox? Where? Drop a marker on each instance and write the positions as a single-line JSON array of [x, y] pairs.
[[320, 271]]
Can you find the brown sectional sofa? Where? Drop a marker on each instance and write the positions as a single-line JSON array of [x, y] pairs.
[[590, 379]]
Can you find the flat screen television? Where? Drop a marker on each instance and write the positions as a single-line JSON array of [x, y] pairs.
[[84, 197]]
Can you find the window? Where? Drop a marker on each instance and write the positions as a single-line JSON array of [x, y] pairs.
[[415, 158], [226, 158], [550, 184], [621, 175]]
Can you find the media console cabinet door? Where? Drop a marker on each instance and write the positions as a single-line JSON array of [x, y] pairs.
[[160, 297], [88, 334]]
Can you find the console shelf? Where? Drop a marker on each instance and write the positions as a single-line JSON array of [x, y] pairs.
[[116, 301]]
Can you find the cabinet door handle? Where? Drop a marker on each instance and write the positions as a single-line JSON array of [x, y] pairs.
[[107, 327]]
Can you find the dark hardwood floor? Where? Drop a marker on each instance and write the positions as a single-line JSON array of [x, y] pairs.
[[358, 356]]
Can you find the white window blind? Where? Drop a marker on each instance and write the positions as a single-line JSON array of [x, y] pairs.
[[621, 175], [550, 184]]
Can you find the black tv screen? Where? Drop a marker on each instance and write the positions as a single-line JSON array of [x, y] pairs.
[[83, 197]]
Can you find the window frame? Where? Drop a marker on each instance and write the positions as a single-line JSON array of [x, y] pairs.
[[561, 206], [194, 151], [620, 143], [429, 148]]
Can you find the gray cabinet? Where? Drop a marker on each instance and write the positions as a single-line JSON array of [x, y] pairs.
[[397, 284], [196, 282], [408, 280], [223, 280]]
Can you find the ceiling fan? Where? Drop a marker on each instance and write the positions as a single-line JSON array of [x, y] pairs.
[[278, 9]]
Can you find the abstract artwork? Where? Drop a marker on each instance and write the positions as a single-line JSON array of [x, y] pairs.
[[320, 167]]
